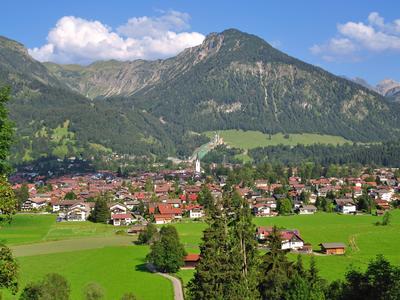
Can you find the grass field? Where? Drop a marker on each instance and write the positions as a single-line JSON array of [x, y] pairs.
[[31, 228], [120, 268], [363, 238], [252, 139], [117, 269]]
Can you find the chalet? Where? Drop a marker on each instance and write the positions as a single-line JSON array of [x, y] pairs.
[[78, 212], [307, 209], [191, 260], [121, 219], [131, 204], [34, 203], [333, 248], [291, 239], [62, 205], [345, 206], [118, 208]]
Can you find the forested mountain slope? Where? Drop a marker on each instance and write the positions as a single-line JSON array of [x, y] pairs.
[[233, 80]]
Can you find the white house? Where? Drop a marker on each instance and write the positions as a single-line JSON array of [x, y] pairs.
[[34, 203], [346, 206], [196, 213], [118, 209], [307, 209], [78, 212], [121, 219], [290, 238]]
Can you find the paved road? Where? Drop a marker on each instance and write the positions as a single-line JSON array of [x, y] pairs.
[[178, 291], [70, 245]]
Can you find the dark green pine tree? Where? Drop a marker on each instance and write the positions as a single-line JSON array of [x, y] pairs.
[[212, 272], [101, 213], [243, 250], [275, 269]]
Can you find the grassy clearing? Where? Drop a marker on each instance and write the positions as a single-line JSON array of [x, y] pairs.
[[33, 228], [363, 238], [117, 269], [252, 139]]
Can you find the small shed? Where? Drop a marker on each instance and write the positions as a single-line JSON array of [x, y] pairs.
[[333, 248], [191, 260]]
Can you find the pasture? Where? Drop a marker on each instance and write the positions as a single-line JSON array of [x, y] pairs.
[[32, 228], [85, 252], [117, 269], [253, 139], [364, 240]]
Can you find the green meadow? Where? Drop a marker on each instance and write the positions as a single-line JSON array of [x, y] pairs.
[[117, 269], [85, 252], [253, 139], [31, 228]]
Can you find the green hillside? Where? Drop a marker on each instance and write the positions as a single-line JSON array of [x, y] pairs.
[[253, 139]]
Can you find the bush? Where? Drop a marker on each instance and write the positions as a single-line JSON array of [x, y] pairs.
[[93, 291]]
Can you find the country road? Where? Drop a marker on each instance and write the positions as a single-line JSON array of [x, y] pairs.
[[178, 291]]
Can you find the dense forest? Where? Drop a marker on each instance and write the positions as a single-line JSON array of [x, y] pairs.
[[382, 154]]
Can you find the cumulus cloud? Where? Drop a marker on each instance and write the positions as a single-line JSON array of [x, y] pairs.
[[77, 40], [355, 38]]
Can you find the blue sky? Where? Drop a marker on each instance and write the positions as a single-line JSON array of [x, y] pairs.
[[358, 38]]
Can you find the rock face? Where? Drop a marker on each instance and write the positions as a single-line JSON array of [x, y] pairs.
[[389, 88], [232, 80]]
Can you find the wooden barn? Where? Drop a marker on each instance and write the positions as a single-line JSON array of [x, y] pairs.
[[333, 248], [191, 260]]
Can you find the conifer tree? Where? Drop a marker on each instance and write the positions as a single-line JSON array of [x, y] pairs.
[[275, 268], [243, 249], [210, 278]]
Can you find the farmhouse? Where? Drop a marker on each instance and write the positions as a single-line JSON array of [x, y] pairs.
[[290, 238], [333, 248]]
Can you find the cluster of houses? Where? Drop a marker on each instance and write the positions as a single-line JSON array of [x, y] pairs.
[[167, 195]]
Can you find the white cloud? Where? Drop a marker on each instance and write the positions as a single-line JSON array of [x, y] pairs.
[[77, 40], [355, 38]]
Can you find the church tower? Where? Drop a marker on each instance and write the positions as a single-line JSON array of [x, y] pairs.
[[197, 165]]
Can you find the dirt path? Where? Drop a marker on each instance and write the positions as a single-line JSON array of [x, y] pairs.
[[70, 245], [176, 283]]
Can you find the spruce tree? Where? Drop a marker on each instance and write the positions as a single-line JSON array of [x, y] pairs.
[[101, 212], [210, 278], [275, 268], [243, 249]]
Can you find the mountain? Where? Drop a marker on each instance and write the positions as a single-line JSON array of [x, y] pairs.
[[232, 80], [363, 82], [389, 88]]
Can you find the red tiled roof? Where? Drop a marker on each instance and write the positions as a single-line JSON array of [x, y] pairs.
[[121, 216], [166, 209], [192, 257]]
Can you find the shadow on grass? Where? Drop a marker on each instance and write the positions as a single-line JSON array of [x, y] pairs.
[[142, 268]]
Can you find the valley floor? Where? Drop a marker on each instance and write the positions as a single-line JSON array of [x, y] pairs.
[[86, 252]]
